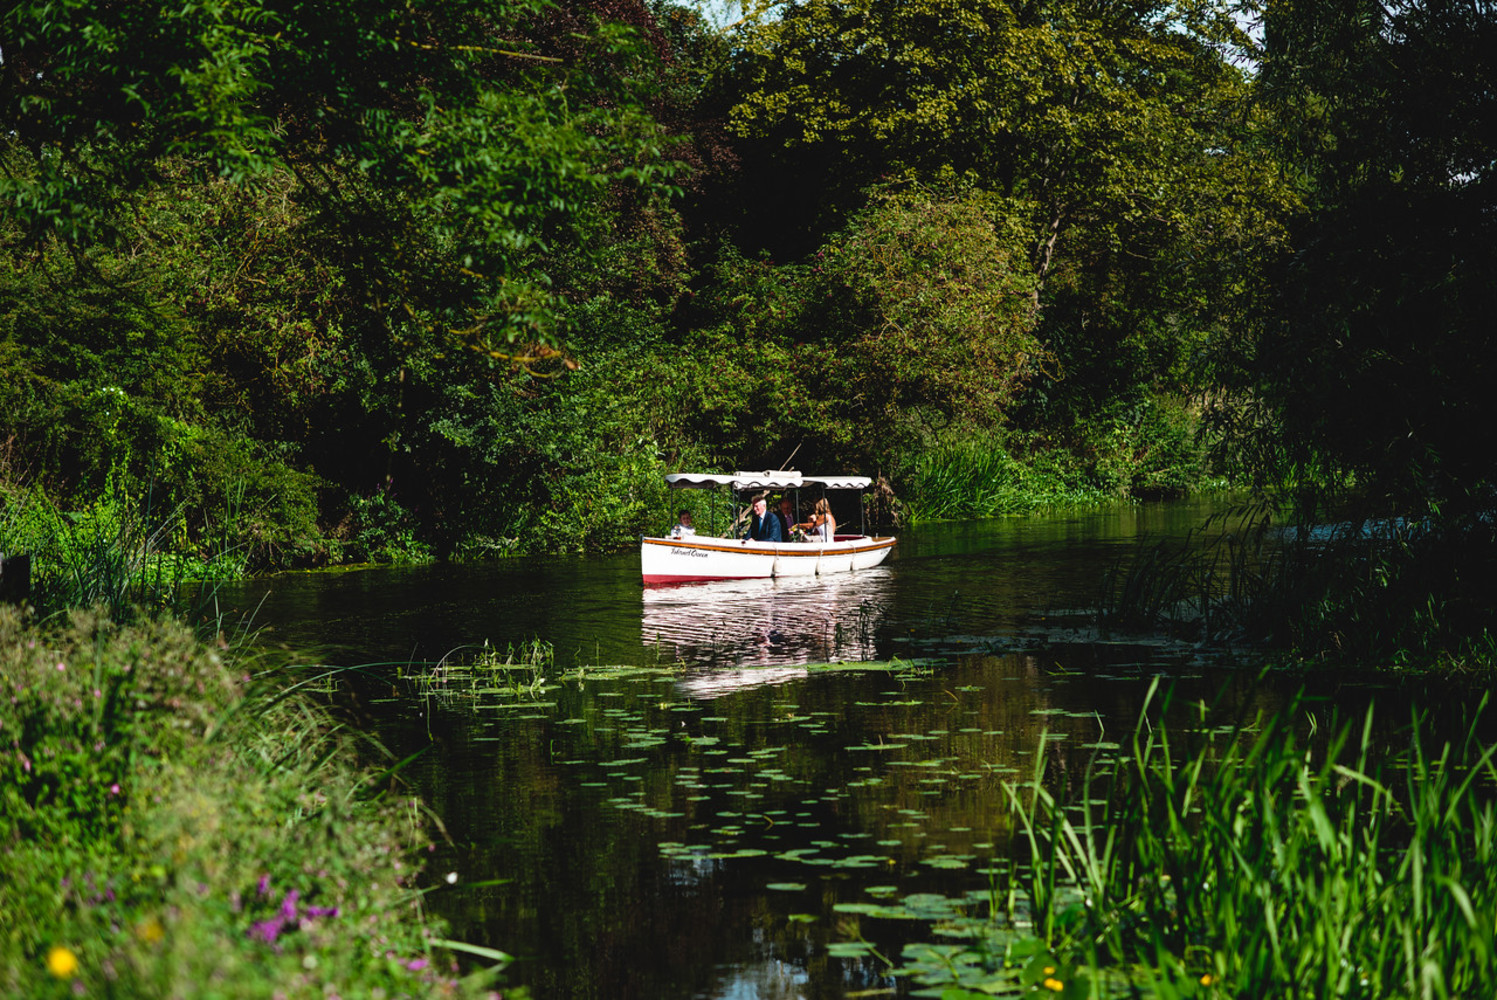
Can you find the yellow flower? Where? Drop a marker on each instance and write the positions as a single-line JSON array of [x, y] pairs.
[[1207, 979], [150, 930], [62, 963], [1053, 984]]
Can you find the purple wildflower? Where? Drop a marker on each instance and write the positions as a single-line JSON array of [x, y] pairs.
[[266, 930]]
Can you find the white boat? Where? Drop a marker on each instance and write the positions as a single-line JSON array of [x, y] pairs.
[[700, 557]]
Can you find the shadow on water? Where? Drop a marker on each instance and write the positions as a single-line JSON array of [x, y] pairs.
[[714, 821]]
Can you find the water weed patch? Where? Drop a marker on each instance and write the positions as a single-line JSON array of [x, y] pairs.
[[175, 827]]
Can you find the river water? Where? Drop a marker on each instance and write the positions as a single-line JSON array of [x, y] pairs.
[[990, 576], [704, 793]]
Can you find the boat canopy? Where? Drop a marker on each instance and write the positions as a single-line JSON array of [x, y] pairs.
[[772, 479], [838, 482]]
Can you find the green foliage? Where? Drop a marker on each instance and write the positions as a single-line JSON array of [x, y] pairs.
[[1120, 141], [381, 531], [471, 139], [110, 553], [976, 476], [169, 824], [1150, 451], [735, 387], [916, 317], [132, 373], [272, 339], [1145, 453], [921, 314], [1102, 118]]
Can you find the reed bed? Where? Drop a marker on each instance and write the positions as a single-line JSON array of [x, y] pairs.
[[116, 554], [471, 674], [979, 478], [1265, 860]]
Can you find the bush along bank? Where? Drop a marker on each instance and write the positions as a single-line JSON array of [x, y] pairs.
[[173, 827]]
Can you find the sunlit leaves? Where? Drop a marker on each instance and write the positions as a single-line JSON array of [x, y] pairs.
[[1087, 114], [493, 149], [929, 311]]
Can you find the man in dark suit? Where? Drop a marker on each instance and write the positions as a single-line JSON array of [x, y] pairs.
[[764, 526], [786, 515]]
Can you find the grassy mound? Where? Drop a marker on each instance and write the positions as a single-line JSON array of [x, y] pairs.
[[174, 827]]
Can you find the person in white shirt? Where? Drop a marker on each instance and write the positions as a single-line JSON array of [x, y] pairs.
[[822, 527], [683, 526]]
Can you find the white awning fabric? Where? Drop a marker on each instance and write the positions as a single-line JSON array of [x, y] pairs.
[[772, 479], [838, 482]]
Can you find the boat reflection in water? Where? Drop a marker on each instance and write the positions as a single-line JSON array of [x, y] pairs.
[[744, 633]]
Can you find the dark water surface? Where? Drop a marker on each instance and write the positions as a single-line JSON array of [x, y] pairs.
[[982, 575], [714, 823]]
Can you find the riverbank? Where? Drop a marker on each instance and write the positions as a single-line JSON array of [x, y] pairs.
[[178, 818], [601, 503]]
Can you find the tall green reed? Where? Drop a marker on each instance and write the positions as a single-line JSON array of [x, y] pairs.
[[1211, 585], [117, 553], [1259, 861], [971, 478]]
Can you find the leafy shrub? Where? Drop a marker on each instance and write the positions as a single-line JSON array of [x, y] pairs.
[[381, 530], [924, 313], [1148, 451]]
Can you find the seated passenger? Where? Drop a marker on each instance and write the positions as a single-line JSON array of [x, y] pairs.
[[786, 514], [764, 526], [823, 526], [683, 526]]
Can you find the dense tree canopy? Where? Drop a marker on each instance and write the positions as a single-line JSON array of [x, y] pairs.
[[1379, 358], [1121, 138], [246, 247], [452, 124], [1101, 114]]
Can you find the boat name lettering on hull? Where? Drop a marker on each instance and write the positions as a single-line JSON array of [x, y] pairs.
[[694, 553]]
